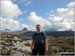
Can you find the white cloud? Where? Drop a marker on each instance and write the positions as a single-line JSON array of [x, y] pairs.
[[64, 18], [61, 10], [24, 26], [11, 24], [71, 5], [38, 20], [8, 9]]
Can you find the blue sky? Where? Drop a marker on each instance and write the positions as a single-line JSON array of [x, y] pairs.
[[51, 14], [42, 8]]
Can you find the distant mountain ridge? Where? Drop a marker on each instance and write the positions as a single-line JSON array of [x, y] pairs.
[[52, 33], [5, 30], [23, 30]]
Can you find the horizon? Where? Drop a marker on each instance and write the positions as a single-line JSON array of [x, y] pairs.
[[7, 30]]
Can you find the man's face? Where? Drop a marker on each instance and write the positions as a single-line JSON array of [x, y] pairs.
[[38, 28]]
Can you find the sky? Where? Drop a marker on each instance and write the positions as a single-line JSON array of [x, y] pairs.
[[50, 14]]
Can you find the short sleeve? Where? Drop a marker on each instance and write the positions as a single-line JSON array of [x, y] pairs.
[[33, 36], [44, 35]]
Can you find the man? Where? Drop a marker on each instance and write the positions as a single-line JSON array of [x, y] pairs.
[[39, 41]]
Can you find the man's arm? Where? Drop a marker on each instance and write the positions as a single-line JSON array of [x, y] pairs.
[[45, 39], [46, 45], [32, 43]]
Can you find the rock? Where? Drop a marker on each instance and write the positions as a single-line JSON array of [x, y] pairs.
[[26, 48], [16, 53], [14, 48], [4, 50]]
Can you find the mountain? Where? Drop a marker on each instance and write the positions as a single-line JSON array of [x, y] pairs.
[[24, 33], [23, 30], [52, 29], [60, 33], [5, 30], [52, 33]]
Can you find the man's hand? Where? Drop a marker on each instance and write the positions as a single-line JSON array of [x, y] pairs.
[[31, 48], [32, 45], [46, 49]]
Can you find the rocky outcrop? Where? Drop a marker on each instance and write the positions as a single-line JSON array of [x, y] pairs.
[[14, 48]]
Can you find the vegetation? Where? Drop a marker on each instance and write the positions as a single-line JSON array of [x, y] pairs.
[[55, 44], [61, 44]]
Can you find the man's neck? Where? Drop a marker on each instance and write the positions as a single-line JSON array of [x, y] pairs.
[[38, 31]]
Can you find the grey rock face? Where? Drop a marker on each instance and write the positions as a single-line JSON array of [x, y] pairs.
[[14, 48]]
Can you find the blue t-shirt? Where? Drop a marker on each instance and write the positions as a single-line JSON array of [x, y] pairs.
[[39, 37]]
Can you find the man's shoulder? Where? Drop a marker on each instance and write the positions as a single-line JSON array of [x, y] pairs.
[[43, 32], [34, 33]]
